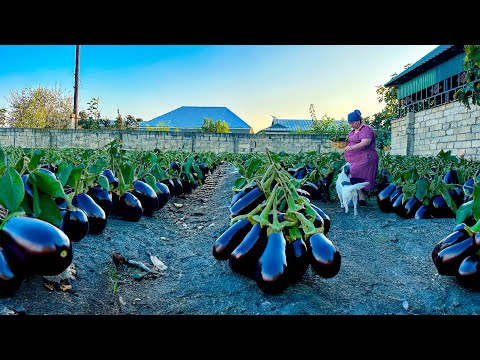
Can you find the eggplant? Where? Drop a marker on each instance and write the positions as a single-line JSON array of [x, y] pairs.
[[127, 206], [398, 206], [146, 195], [460, 227], [74, 223], [323, 255], [175, 166], [383, 198], [9, 281], [204, 168], [469, 271], [171, 186], [34, 246], [244, 257], [271, 275], [457, 196], [312, 189], [243, 192], [325, 218], [230, 239], [468, 189], [186, 185], [449, 240], [50, 167], [423, 212], [439, 208], [297, 260], [247, 203], [411, 207], [451, 177], [102, 197], [300, 173], [163, 194], [97, 220], [177, 183], [449, 259], [112, 179]]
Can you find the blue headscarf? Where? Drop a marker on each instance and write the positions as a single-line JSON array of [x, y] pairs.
[[354, 116]]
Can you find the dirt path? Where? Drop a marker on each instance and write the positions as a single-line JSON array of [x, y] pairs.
[[386, 268]]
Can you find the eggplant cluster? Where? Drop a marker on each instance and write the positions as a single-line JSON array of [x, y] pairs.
[[266, 256], [31, 246], [457, 254]]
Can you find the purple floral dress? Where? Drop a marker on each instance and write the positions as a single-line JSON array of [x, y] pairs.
[[363, 162]]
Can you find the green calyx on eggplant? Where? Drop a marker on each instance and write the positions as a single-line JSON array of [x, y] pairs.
[[163, 194], [97, 219], [323, 255], [147, 196], [102, 197], [297, 260], [74, 223], [383, 197], [9, 281], [34, 246], [247, 203], [127, 206], [112, 179], [451, 239], [244, 257], [271, 275], [449, 259], [230, 239]]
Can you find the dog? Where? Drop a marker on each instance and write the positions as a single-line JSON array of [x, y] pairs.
[[346, 191]]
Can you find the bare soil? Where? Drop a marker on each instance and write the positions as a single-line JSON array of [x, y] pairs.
[[386, 267]]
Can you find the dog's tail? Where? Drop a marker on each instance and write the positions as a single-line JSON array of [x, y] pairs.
[[359, 186]]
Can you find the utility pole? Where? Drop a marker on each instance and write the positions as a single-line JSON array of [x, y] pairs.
[[75, 96]]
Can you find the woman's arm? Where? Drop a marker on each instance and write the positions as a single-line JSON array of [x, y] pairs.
[[361, 145]]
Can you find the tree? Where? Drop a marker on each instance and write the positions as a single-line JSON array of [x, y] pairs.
[[39, 107], [3, 117], [131, 122], [217, 127], [90, 119], [470, 92], [118, 121]]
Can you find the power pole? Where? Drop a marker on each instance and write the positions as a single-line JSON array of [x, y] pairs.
[[75, 96]]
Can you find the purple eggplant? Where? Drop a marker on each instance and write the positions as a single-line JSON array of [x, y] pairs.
[[102, 197], [74, 223], [163, 194], [323, 255], [9, 281], [297, 260], [97, 220], [127, 206], [146, 195], [230, 239]]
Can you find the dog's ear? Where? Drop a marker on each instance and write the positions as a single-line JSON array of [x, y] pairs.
[[346, 169]]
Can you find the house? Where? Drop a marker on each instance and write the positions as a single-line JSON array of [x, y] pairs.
[[429, 118], [286, 126], [190, 118]]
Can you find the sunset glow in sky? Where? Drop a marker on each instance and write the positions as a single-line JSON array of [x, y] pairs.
[[253, 81]]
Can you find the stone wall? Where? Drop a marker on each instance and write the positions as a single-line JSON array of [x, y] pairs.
[[446, 127], [149, 140]]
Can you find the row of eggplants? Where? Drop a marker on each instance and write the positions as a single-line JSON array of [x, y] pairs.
[[264, 255], [391, 199], [31, 246]]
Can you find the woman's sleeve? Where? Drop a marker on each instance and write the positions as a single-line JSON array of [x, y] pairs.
[[368, 133]]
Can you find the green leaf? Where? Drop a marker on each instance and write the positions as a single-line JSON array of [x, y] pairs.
[[21, 164], [253, 167], [63, 172], [464, 211], [35, 160], [48, 183], [12, 190], [75, 175], [49, 210], [239, 183], [422, 188], [476, 201]]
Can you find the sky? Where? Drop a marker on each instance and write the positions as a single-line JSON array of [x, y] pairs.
[[255, 82]]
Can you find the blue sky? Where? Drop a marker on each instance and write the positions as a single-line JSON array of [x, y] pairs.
[[253, 81]]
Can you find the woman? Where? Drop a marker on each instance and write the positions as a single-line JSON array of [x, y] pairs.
[[361, 153]]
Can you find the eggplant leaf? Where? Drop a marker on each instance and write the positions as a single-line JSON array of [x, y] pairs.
[[63, 172], [35, 160], [48, 183], [103, 182], [464, 211], [75, 175], [49, 210], [13, 191]]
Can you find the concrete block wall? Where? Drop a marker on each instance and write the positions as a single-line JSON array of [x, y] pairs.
[[149, 140], [446, 127]]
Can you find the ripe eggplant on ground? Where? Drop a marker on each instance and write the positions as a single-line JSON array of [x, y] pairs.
[[163, 194], [112, 179], [74, 223], [451, 239], [323, 255], [230, 239], [127, 206], [97, 220], [271, 276], [9, 281], [469, 271], [449, 259], [244, 257], [325, 218], [243, 192], [383, 197], [247, 203], [146, 195], [34, 246], [297, 260], [439, 208], [102, 197], [423, 212], [411, 207]]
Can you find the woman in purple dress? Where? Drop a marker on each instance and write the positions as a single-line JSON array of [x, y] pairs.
[[361, 153]]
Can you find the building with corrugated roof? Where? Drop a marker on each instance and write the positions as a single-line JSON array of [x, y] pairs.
[[190, 118], [285, 126]]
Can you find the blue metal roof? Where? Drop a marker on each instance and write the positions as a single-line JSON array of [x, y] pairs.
[[288, 125], [192, 116], [438, 55]]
